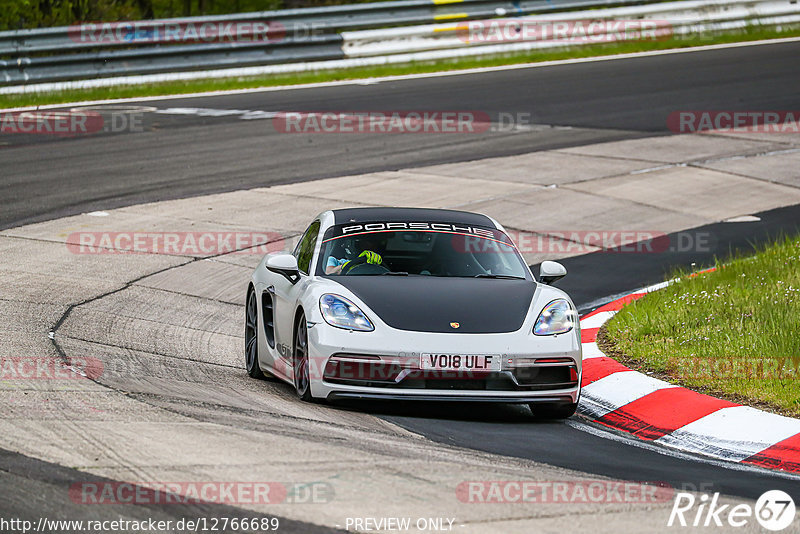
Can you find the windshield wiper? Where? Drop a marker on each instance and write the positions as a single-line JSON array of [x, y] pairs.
[[395, 273], [505, 276]]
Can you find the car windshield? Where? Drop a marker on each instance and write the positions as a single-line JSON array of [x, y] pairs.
[[419, 249]]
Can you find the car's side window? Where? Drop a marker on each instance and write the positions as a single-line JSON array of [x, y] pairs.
[[305, 247]]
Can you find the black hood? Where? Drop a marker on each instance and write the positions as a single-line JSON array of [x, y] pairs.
[[430, 304]]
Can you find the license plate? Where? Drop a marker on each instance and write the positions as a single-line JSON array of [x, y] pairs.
[[460, 362]]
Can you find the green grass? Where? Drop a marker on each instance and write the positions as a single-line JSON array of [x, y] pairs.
[[734, 332], [196, 86]]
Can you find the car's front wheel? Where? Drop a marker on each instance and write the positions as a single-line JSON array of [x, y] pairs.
[[302, 380], [251, 336], [547, 410]]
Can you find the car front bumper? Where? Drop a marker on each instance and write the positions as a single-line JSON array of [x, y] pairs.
[[386, 365]]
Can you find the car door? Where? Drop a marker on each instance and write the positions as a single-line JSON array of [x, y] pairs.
[[287, 294]]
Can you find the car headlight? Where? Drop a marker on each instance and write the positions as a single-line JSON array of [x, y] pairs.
[[558, 317], [338, 311]]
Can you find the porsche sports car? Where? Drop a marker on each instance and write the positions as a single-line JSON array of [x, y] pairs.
[[413, 304]]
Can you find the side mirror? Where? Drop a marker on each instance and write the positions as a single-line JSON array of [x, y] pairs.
[[286, 265], [551, 271]]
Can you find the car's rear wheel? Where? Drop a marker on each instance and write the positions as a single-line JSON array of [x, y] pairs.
[[302, 380], [547, 410], [251, 336]]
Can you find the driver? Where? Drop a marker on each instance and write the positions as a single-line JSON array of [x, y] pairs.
[[335, 265]]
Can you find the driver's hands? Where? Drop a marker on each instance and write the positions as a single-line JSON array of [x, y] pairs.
[[372, 257]]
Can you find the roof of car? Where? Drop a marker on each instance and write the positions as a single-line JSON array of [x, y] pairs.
[[359, 215]]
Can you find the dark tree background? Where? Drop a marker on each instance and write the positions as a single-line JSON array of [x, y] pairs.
[[18, 14]]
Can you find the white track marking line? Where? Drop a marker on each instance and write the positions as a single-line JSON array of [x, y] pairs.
[[597, 320], [734, 433], [616, 390], [667, 450], [591, 350]]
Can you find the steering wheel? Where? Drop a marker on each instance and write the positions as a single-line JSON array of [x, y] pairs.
[[360, 266], [368, 268]]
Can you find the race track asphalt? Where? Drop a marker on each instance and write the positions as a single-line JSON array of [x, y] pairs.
[[180, 155]]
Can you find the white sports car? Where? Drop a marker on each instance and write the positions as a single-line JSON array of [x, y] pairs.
[[413, 304]]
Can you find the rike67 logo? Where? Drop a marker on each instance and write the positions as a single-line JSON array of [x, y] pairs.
[[774, 510]]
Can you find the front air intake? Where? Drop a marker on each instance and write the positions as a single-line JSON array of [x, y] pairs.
[[267, 310]]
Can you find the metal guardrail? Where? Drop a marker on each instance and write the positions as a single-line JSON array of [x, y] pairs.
[[669, 19], [325, 19], [310, 34], [330, 37]]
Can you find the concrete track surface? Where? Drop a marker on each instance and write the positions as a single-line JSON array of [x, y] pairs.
[[173, 402]]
